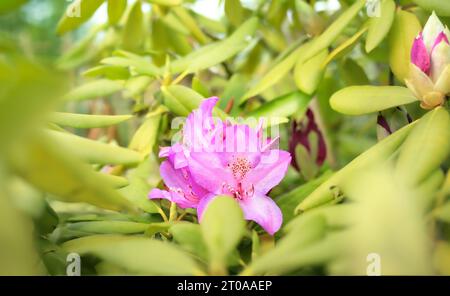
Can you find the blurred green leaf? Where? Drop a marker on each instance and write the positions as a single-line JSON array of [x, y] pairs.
[[357, 100], [65, 177], [404, 30], [116, 8], [222, 227], [134, 30], [77, 13], [441, 7], [426, 147], [87, 121], [189, 237], [109, 227], [94, 151], [379, 26], [139, 255], [329, 191], [94, 90], [9, 5], [284, 106], [308, 74]]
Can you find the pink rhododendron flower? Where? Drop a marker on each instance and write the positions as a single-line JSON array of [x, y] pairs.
[[220, 158], [429, 77]]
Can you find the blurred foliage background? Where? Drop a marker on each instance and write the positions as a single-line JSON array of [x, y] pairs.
[[88, 91]]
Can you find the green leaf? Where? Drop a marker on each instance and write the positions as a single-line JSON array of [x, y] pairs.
[[108, 71], [93, 151], [142, 179], [287, 255], [426, 147], [439, 6], [65, 177], [116, 8], [305, 51], [288, 201], [352, 73], [144, 139], [284, 106], [134, 30], [222, 226], [166, 2], [9, 5], [443, 213], [138, 255], [217, 52], [190, 23], [404, 30], [77, 13], [87, 121], [357, 100], [345, 47], [181, 100], [234, 11], [189, 237], [94, 89], [328, 191], [379, 26], [109, 227], [308, 74], [28, 92]]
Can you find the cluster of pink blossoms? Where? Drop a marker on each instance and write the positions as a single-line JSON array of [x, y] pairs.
[[217, 157]]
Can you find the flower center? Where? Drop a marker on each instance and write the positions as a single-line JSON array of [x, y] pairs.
[[240, 166]]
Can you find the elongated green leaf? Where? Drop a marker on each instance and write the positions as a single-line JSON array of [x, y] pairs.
[[356, 100], [189, 22], [218, 52], [87, 121], [109, 227], [114, 181], [345, 47], [284, 106], [234, 11], [93, 151], [109, 72], [379, 26], [77, 13], [305, 51], [426, 147], [223, 226], [405, 28], [94, 90], [441, 7], [145, 137], [134, 31], [180, 100], [329, 190], [116, 8], [44, 165], [308, 75], [139, 255]]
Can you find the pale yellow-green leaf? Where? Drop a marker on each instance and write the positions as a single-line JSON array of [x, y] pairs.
[[357, 100], [77, 13], [87, 120], [94, 90], [379, 26], [308, 74], [426, 147], [405, 28], [138, 255], [441, 7]]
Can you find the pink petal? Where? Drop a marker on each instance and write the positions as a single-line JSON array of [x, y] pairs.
[[270, 170], [420, 56], [210, 171], [440, 38], [264, 211]]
